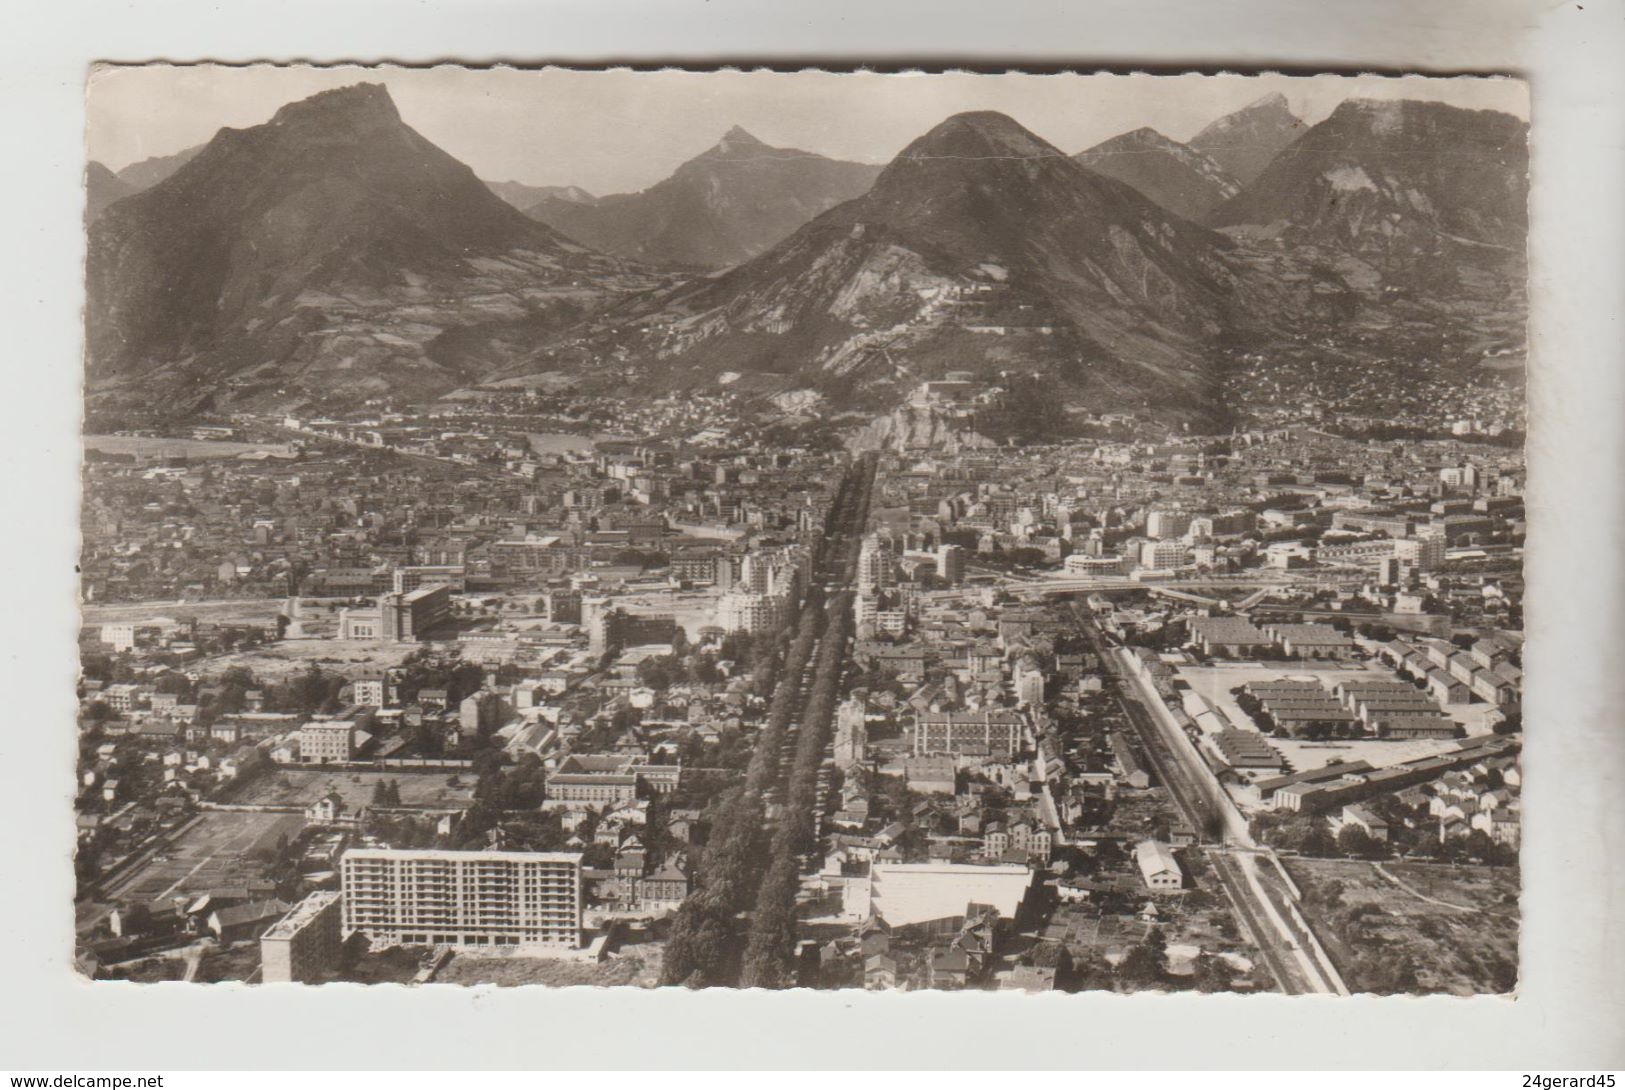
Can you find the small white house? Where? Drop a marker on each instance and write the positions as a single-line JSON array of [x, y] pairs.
[[1158, 867]]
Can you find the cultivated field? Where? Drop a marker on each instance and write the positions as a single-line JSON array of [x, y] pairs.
[[1413, 926], [303, 786], [215, 850]]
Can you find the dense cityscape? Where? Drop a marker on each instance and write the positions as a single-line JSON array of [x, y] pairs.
[[1232, 712], [1003, 568]]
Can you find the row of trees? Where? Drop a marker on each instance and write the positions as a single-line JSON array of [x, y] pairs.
[[745, 867], [772, 934], [1310, 835], [771, 940], [704, 943]]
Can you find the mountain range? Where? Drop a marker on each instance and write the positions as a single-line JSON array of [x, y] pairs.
[[981, 247], [1396, 176], [104, 186], [149, 172], [523, 196], [1183, 180], [331, 248], [333, 253], [724, 206]]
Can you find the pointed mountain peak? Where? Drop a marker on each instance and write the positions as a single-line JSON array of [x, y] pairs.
[[1244, 142], [1272, 109], [1143, 137], [357, 103], [979, 133], [1274, 102], [736, 143], [1176, 176], [737, 138]]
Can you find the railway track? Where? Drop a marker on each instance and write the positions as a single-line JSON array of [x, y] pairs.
[[1287, 975], [1191, 795]]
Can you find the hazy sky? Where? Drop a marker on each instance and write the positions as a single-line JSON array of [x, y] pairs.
[[619, 130]]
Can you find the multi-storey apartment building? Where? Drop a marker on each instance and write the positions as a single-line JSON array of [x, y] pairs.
[[875, 570], [325, 742], [463, 899], [750, 612], [305, 943]]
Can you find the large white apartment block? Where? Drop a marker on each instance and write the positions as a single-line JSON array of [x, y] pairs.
[[875, 565], [750, 612], [1162, 555], [369, 690], [1426, 553], [468, 900]]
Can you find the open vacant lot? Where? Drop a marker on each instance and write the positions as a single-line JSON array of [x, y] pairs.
[[279, 661], [303, 786], [216, 849], [143, 447], [212, 610], [239, 962], [637, 967], [1412, 926]]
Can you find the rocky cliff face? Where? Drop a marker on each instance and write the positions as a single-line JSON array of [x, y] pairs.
[[916, 428], [1381, 177], [1247, 141]]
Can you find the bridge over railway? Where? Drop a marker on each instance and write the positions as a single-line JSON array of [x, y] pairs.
[[1217, 588]]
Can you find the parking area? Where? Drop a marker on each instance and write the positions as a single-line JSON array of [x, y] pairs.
[[1303, 756]]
